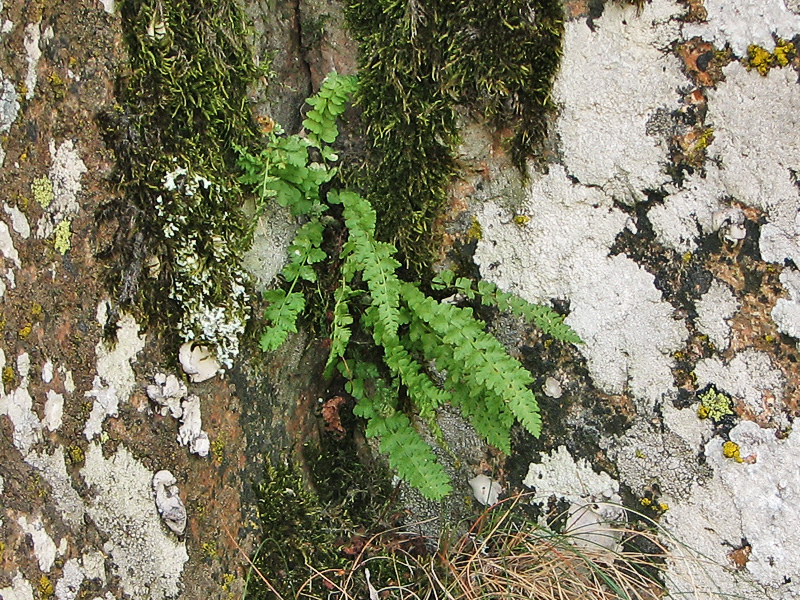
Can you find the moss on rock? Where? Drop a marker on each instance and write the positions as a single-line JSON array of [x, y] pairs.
[[418, 62]]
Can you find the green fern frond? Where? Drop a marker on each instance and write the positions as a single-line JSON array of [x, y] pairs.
[[342, 323], [327, 105], [409, 455], [281, 313], [544, 317], [485, 362]]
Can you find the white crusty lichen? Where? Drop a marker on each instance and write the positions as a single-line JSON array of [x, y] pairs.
[[20, 589], [33, 35], [714, 310], [604, 106], [561, 475], [629, 331], [115, 379], [754, 500], [750, 376], [786, 313], [209, 283], [147, 558], [756, 119], [686, 215], [740, 23], [65, 178], [44, 548]]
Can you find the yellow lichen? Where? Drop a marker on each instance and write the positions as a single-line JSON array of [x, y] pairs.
[[521, 220], [9, 377], [762, 60], [731, 450], [46, 589], [25, 331], [475, 231], [36, 310], [218, 449], [75, 454], [42, 190], [62, 234], [784, 52], [759, 59], [714, 405], [646, 502], [209, 549]]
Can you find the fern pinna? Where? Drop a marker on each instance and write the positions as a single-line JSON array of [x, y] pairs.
[[410, 328]]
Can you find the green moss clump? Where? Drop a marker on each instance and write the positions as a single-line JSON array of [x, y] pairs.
[[183, 108], [418, 62], [714, 405], [295, 536]]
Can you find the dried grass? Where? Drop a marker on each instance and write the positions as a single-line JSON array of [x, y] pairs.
[[504, 558]]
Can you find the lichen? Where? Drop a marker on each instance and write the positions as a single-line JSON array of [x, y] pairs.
[[9, 377], [62, 234], [763, 60], [731, 450], [521, 220], [475, 231], [714, 405], [42, 190]]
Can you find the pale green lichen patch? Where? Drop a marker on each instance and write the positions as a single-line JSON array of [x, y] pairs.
[[42, 190], [714, 405], [62, 235]]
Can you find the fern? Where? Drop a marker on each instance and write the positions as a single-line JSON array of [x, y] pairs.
[[545, 318], [413, 332], [408, 453], [284, 307], [327, 105], [283, 171]]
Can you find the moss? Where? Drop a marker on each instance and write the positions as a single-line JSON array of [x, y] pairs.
[[714, 405], [42, 190], [62, 235], [296, 536], [184, 94], [418, 62]]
